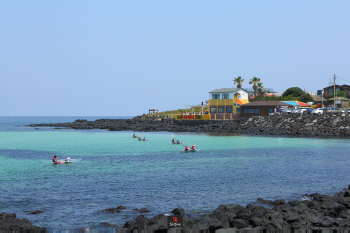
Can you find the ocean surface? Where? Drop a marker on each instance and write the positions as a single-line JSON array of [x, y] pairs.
[[109, 169]]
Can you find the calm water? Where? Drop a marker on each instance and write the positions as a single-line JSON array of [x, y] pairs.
[[111, 169]]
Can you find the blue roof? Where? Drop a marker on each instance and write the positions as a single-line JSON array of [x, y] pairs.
[[294, 103]]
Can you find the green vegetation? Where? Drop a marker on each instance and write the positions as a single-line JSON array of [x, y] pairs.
[[255, 81], [294, 91], [238, 81], [179, 111], [340, 94], [306, 97], [260, 88]]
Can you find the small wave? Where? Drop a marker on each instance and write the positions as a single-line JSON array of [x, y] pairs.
[[306, 198]]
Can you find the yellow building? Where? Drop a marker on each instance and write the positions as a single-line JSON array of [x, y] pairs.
[[224, 103]]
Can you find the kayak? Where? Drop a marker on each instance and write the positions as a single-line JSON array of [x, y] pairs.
[[142, 139], [63, 162], [190, 150], [176, 143]]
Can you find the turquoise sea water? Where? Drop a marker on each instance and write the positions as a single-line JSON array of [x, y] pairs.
[[111, 169]]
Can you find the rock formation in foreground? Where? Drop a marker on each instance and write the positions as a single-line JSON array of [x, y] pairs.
[[9, 223], [319, 213]]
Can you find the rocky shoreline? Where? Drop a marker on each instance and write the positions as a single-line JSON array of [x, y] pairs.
[[313, 213], [317, 213], [10, 224], [295, 125]]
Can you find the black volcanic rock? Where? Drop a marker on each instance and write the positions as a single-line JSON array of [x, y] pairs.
[[9, 223], [318, 212], [295, 125]]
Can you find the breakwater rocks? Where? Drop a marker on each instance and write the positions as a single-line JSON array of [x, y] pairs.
[[150, 124], [314, 214], [9, 223], [304, 125], [298, 125]]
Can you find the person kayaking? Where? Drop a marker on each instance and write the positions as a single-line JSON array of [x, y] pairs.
[[139, 138], [178, 142], [67, 160], [173, 141], [193, 148], [144, 139], [186, 148], [134, 136], [54, 159]]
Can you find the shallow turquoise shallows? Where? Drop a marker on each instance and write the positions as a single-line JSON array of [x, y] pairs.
[[109, 169]]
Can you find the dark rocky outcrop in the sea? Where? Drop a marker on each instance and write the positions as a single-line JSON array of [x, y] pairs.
[[37, 212], [9, 223], [142, 210], [296, 125], [318, 212], [112, 210]]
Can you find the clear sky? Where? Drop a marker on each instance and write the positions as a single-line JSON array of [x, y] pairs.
[[121, 58]]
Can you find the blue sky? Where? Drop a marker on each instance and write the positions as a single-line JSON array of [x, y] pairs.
[[120, 58]]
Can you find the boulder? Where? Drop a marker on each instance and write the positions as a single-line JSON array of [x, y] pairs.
[[142, 210], [112, 210]]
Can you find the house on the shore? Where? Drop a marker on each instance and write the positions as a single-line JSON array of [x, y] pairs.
[[224, 103], [261, 108], [328, 91]]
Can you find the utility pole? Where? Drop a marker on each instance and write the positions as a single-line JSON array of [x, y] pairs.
[[334, 94]]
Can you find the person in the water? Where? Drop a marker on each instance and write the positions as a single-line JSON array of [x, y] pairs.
[[54, 159]]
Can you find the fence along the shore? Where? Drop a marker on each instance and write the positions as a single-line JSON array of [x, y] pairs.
[[192, 117]]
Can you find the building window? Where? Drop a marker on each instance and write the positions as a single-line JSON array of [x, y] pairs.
[[212, 110], [330, 91], [221, 110], [238, 110], [215, 96], [229, 110], [236, 104], [251, 111], [224, 96], [338, 89], [269, 110]]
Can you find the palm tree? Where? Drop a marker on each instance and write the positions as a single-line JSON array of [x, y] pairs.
[[260, 88], [239, 81], [255, 81]]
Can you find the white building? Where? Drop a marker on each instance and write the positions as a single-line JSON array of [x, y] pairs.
[[228, 93]]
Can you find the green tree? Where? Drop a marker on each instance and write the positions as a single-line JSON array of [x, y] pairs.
[[261, 97], [294, 91], [339, 94], [254, 81], [306, 97], [238, 81], [260, 88], [290, 97]]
